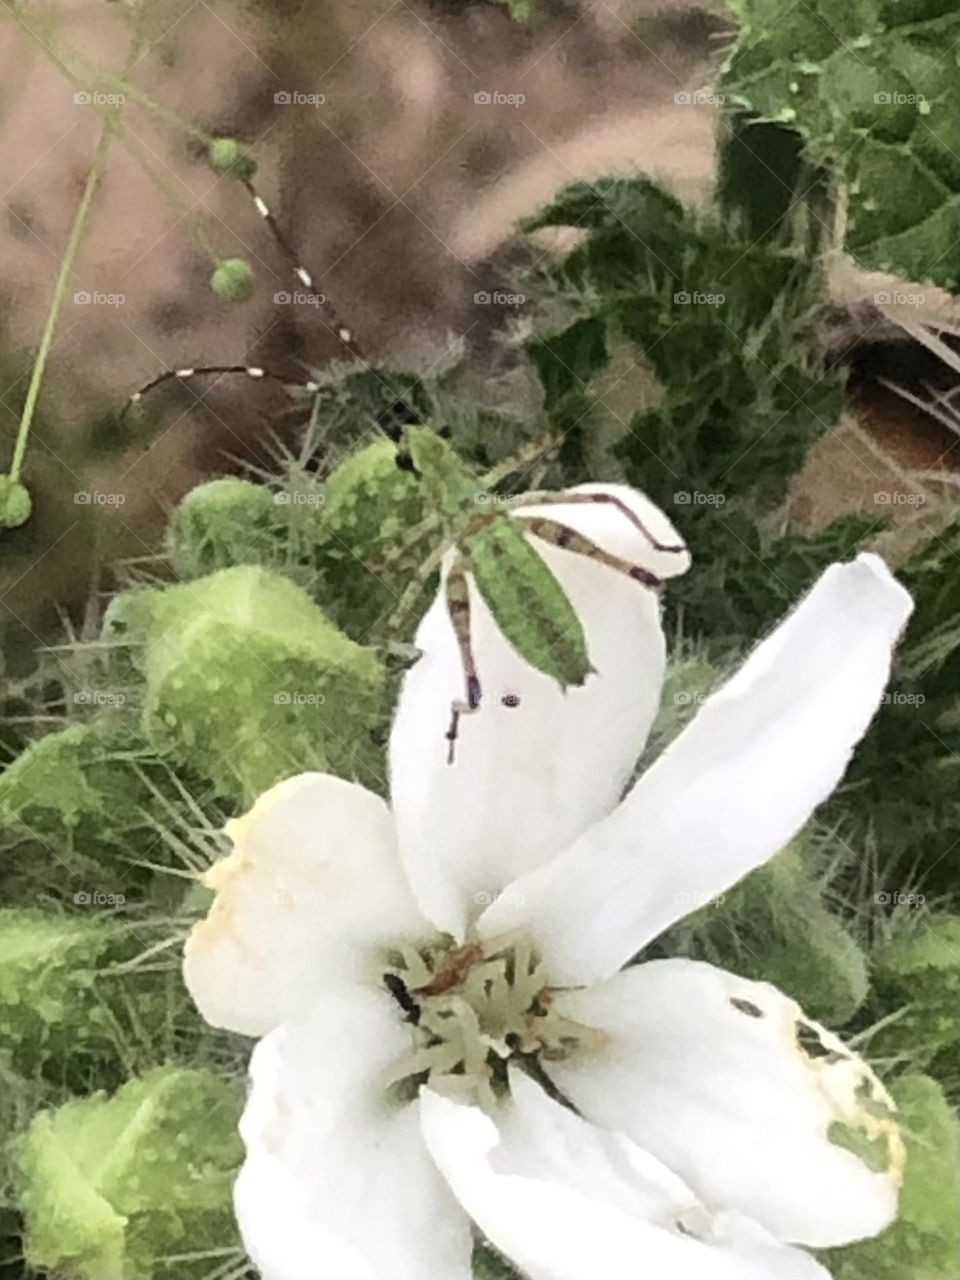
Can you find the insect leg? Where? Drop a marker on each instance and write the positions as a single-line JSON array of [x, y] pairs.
[[545, 495], [561, 535], [345, 336], [526, 456], [458, 607], [408, 599]]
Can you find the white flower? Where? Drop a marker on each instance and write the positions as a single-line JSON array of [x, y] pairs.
[[414, 972]]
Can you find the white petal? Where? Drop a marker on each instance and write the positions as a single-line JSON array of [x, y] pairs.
[[737, 784], [312, 889], [527, 779], [728, 1097], [337, 1183], [567, 1201]]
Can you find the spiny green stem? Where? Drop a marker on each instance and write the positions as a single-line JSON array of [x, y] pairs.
[[56, 302]]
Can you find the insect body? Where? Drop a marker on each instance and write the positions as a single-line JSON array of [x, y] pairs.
[[493, 542], [398, 989]]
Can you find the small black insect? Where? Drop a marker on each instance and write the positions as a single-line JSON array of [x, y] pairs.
[[397, 988]]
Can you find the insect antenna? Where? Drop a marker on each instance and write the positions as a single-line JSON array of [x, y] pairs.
[[253, 371], [345, 336]]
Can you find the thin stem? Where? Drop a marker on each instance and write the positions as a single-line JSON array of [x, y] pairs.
[[92, 77], [46, 43], [56, 302]]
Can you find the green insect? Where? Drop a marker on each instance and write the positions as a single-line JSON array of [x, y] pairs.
[[492, 544]]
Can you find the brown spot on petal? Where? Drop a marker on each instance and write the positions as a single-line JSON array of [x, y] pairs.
[[746, 1006]]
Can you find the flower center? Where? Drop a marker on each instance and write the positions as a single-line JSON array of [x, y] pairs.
[[473, 1007]]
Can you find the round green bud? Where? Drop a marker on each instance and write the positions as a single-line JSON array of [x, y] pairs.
[[233, 279], [228, 156], [16, 504]]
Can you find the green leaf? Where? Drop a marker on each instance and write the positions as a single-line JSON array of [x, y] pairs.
[[920, 973], [87, 796], [567, 361], [110, 1187], [873, 90], [528, 603], [48, 965], [924, 1242], [247, 682]]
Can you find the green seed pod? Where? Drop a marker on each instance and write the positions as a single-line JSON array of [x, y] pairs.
[[15, 503], [233, 279], [226, 155]]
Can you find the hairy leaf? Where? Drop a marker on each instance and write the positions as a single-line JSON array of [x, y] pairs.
[[111, 1186], [873, 89]]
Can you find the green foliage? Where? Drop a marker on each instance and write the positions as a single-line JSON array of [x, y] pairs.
[[919, 972], [221, 524], [48, 965], [924, 1242], [776, 926], [80, 800], [490, 1265], [247, 682], [873, 90], [113, 1187], [725, 323]]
